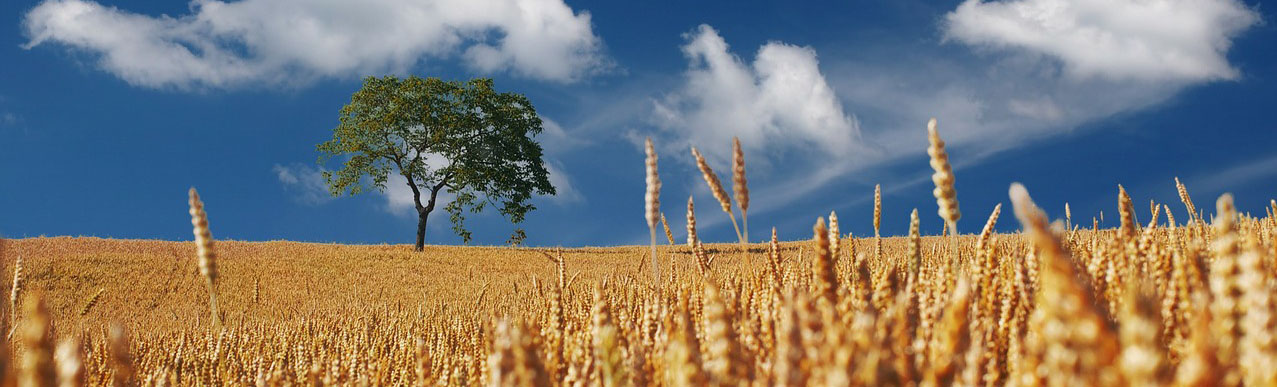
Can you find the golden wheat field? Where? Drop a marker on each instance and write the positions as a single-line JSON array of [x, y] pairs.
[[1180, 301]]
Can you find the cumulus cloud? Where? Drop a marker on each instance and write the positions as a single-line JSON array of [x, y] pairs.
[[780, 100], [1151, 40], [230, 44], [303, 181]]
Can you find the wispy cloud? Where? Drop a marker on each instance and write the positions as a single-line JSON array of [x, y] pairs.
[[306, 183], [8, 118], [1237, 175], [254, 42]]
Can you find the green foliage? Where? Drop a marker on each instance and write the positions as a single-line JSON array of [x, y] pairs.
[[462, 137], [516, 239]]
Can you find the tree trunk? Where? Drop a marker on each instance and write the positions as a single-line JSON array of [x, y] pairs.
[[423, 211], [421, 230]]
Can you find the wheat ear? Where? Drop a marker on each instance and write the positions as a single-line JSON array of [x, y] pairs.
[[1068, 217], [740, 187], [826, 278], [1188, 201], [691, 224], [946, 195], [16, 291], [835, 236], [877, 222], [666, 225], [915, 244], [92, 301], [1126, 209], [653, 203], [207, 258], [716, 188]]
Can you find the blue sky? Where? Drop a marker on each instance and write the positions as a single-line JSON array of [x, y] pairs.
[[109, 111]]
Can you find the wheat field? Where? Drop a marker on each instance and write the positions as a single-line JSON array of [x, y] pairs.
[[1186, 304], [1184, 300]]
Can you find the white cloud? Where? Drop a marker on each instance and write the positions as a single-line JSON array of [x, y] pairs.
[[304, 181], [779, 101], [249, 42], [565, 191], [1152, 40], [399, 199]]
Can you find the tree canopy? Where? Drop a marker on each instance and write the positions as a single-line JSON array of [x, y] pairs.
[[462, 138]]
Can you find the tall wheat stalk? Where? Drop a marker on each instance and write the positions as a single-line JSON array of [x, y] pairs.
[[653, 204], [207, 258], [15, 293], [946, 196], [877, 222], [740, 187], [716, 187]]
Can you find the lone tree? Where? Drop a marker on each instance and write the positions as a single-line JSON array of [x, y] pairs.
[[462, 137]]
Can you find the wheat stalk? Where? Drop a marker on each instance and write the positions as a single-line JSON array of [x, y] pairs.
[[946, 196], [1188, 201], [826, 279], [1126, 209], [1068, 217], [835, 236], [92, 301], [774, 262], [653, 205], [207, 258], [15, 292], [915, 244], [666, 225], [716, 187], [740, 187], [877, 222], [691, 224]]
